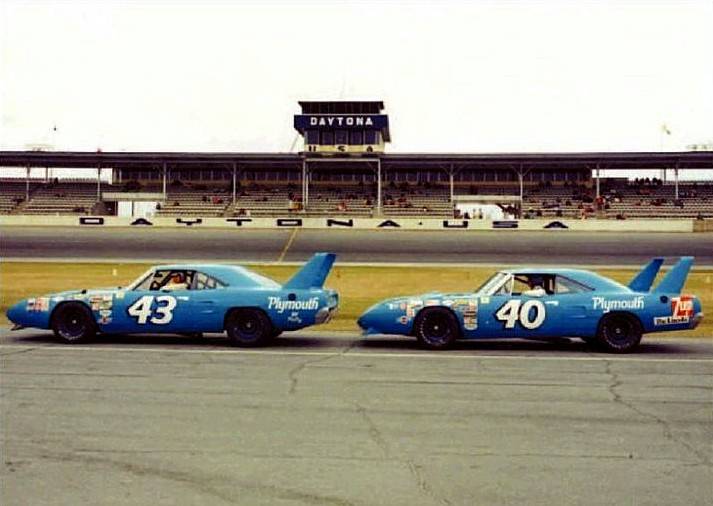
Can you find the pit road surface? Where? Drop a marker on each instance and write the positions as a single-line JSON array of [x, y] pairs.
[[334, 418], [498, 247]]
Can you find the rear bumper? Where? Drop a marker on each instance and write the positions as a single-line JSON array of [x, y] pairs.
[[325, 314], [697, 319]]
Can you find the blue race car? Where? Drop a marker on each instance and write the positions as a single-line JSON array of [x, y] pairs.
[[546, 303], [189, 299]]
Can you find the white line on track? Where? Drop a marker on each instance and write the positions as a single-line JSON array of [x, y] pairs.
[[356, 354]]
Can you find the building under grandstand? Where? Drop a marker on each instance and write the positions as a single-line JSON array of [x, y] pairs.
[[344, 170]]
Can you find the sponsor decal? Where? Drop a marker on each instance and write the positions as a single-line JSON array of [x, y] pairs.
[[59, 298], [681, 311], [99, 302], [431, 302], [670, 320], [403, 320], [282, 305], [104, 316], [447, 302], [485, 300], [682, 306], [552, 302], [470, 315], [607, 305], [120, 295], [38, 305], [294, 317]]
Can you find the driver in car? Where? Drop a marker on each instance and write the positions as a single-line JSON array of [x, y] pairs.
[[536, 287], [176, 282]]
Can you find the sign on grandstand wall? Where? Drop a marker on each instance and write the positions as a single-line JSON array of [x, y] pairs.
[[341, 223], [341, 121]]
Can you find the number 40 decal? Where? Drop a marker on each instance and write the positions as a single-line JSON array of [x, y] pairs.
[[514, 311], [141, 309]]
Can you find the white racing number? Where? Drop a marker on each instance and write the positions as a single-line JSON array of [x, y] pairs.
[[514, 311], [141, 309]]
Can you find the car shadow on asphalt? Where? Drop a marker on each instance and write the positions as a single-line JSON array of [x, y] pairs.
[[296, 342]]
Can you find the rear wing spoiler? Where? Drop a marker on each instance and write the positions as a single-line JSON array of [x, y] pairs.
[[313, 273], [672, 282]]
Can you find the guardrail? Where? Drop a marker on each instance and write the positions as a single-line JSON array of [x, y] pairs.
[[342, 223]]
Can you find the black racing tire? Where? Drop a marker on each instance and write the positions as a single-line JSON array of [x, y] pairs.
[[248, 327], [275, 332], [436, 328], [619, 333], [73, 323]]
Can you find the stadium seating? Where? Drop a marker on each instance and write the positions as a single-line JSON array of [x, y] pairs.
[[619, 199], [62, 198], [182, 201], [12, 195]]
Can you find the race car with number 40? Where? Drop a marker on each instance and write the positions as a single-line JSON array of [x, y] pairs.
[[189, 299], [536, 303]]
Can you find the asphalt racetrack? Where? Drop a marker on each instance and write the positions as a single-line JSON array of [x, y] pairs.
[[560, 247], [337, 419], [320, 419]]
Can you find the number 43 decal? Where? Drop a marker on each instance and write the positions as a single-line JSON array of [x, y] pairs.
[[514, 311], [141, 309]]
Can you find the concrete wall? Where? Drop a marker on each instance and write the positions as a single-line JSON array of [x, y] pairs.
[[561, 225]]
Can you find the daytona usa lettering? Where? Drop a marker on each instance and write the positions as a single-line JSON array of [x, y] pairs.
[[282, 305], [611, 305]]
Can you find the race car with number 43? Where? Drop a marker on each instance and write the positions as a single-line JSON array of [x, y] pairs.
[[189, 299], [536, 303]]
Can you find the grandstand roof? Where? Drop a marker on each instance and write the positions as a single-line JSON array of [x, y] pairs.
[[541, 161]]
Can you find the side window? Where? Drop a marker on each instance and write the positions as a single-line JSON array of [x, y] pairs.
[[205, 282], [565, 285], [526, 283], [167, 280]]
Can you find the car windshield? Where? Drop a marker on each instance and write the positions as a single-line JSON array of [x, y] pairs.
[[493, 283], [138, 280]]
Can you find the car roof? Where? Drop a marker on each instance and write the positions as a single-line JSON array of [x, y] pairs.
[[591, 279], [232, 275]]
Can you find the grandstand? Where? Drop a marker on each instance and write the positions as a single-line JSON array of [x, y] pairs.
[[343, 171]]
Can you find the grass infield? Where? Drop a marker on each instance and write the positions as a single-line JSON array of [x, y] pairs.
[[359, 287]]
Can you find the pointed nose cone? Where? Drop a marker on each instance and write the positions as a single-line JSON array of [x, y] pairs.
[[15, 313], [370, 321]]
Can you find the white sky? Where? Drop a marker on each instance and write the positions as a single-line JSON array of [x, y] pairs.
[[455, 76]]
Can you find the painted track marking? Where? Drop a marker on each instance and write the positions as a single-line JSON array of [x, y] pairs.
[[288, 244]]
